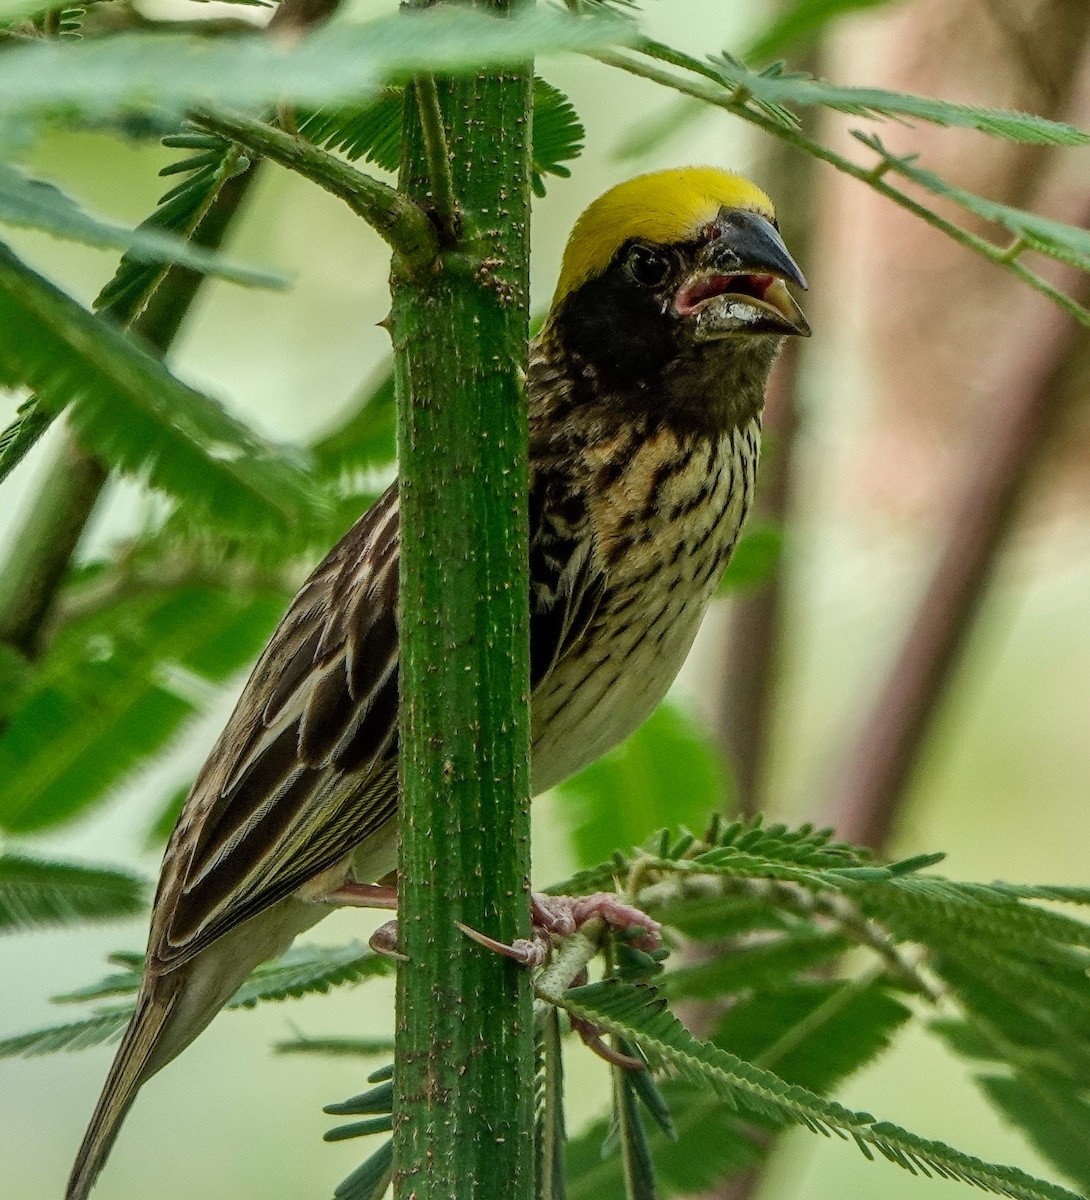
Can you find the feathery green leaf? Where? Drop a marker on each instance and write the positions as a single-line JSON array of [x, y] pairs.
[[34, 204], [372, 131], [801, 22], [665, 772], [1067, 243], [756, 963], [1054, 1115], [306, 969], [178, 214], [31, 421], [370, 1179], [334, 1047], [775, 89], [170, 74], [754, 559], [125, 405], [302, 971], [637, 1012], [636, 1159], [34, 892], [114, 688], [105, 1026], [364, 439]]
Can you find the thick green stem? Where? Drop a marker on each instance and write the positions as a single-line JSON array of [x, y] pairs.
[[464, 1065]]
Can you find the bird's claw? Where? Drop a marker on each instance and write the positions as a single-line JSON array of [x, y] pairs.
[[561, 916], [529, 952], [384, 941], [591, 1037]]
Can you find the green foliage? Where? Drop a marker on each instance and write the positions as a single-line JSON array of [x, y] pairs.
[[785, 905], [372, 131], [179, 212], [776, 91], [114, 688], [801, 22], [637, 1012], [371, 1178], [1053, 1113], [364, 440], [336, 1047], [36, 893], [31, 421], [754, 560], [102, 1028], [1066, 243], [164, 75], [140, 642], [302, 971]]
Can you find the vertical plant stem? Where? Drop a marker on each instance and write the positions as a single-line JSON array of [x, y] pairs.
[[44, 544], [463, 1124]]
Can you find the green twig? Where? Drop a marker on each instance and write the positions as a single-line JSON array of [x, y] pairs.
[[400, 222], [44, 544], [444, 201]]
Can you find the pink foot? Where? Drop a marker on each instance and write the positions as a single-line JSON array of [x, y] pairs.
[[563, 915]]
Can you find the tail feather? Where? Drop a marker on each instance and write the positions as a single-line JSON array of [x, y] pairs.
[[129, 1071]]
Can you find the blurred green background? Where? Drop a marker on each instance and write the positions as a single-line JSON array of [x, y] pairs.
[[1004, 783]]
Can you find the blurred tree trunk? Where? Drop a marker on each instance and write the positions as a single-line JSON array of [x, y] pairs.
[[968, 369]]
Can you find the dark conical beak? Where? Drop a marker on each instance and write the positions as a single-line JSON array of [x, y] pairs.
[[748, 244], [740, 282]]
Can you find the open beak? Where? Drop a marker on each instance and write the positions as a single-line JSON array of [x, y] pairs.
[[740, 282]]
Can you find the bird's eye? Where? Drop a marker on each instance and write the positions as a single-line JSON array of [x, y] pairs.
[[646, 266]]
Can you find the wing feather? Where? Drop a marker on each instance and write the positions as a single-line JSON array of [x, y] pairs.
[[306, 767]]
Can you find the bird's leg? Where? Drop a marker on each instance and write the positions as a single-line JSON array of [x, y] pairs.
[[371, 895], [363, 895]]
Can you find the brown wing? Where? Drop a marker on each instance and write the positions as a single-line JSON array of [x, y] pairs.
[[306, 767]]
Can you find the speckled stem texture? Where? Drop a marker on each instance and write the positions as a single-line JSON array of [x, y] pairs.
[[463, 1124]]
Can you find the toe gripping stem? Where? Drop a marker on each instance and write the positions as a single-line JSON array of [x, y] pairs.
[[555, 918]]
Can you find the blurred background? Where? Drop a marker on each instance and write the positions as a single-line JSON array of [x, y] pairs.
[[938, 399]]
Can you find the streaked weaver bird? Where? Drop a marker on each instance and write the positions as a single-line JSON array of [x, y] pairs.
[[646, 388]]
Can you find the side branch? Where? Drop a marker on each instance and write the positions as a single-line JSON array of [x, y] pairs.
[[401, 223]]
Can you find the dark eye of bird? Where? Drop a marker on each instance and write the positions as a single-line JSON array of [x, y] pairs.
[[646, 266]]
